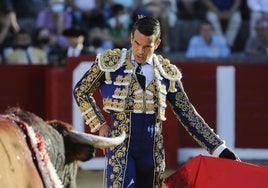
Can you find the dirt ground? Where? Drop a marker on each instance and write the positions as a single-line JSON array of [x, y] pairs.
[[89, 179], [94, 178]]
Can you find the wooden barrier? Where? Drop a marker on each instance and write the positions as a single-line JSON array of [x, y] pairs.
[[23, 86], [47, 91]]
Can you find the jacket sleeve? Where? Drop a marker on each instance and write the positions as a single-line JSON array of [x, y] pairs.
[[83, 94], [192, 121]]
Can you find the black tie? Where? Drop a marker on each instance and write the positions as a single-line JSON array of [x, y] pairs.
[[140, 76]]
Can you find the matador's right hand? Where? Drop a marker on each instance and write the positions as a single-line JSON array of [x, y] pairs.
[[104, 130]]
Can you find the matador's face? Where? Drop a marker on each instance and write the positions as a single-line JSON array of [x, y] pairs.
[[143, 46]]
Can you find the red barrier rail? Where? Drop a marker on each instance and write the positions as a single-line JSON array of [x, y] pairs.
[[47, 91]]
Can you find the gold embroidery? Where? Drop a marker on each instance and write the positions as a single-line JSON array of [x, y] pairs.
[[196, 122], [120, 93], [110, 59], [168, 70], [135, 86], [119, 79], [108, 78], [118, 160], [83, 95], [89, 114], [84, 107], [129, 66], [138, 106], [93, 123], [116, 105], [172, 87], [159, 154]]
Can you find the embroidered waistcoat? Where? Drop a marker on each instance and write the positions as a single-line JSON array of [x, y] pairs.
[[122, 92]]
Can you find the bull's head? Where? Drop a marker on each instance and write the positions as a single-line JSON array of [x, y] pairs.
[[64, 145], [78, 143]]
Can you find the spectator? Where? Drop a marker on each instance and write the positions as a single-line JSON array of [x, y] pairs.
[[99, 40], [7, 8], [43, 39], [23, 52], [23, 8], [132, 8], [119, 26], [76, 39], [191, 9], [169, 7], [224, 12], [258, 44], [258, 9], [86, 14], [24, 12], [166, 12], [56, 18], [207, 44], [130, 5], [77, 47], [7, 31]]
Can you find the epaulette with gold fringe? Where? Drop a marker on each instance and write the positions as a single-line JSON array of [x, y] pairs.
[[111, 60], [168, 70]]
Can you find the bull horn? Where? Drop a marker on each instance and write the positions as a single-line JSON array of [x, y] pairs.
[[96, 141]]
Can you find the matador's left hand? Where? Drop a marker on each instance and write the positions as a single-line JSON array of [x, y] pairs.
[[229, 154]]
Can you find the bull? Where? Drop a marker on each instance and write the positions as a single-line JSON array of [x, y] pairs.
[[48, 156]]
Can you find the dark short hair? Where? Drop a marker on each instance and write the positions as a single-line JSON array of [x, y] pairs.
[[205, 22], [117, 8], [148, 26]]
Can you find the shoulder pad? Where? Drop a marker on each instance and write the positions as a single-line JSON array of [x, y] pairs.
[[168, 70], [111, 60]]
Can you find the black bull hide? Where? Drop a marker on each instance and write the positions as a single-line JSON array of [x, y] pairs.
[[18, 165]]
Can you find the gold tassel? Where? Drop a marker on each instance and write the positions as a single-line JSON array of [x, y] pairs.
[[108, 77], [172, 86]]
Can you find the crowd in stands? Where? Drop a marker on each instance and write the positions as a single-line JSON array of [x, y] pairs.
[[50, 31], [207, 43]]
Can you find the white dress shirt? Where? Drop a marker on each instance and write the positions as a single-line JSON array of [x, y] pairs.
[[147, 69]]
